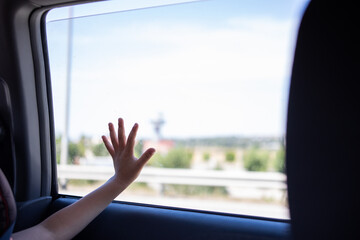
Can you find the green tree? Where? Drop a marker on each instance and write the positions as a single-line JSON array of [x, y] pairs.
[[206, 156], [256, 159], [99, 150], [279, 164], [156, 160], [76, 150], [85, 142], [176, 158], [230, 156]]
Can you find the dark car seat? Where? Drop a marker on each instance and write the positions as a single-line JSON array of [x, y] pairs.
[[7, 208], [323, 129], [7, 154]]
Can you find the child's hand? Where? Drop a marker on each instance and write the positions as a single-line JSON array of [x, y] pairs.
[[127, 167], [69, 221]]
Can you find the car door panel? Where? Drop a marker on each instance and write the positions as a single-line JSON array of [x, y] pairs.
[[122, 220]]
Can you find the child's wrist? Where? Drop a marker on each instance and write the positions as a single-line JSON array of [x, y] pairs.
[[119, 183]]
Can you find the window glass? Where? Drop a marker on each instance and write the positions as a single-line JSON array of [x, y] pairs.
[[207, 81]]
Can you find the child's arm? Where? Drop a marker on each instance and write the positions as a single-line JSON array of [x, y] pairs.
[[69, 221]]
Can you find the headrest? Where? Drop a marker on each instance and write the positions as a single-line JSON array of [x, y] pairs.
[[323, 127]]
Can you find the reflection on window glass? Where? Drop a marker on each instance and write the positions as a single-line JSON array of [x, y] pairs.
[[207, 81]]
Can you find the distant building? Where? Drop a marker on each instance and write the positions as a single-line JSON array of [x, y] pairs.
[[162, 146]]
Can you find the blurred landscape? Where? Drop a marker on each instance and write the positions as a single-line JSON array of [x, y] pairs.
[[228, 166]]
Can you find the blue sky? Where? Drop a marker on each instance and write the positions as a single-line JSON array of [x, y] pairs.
[[212, 68]]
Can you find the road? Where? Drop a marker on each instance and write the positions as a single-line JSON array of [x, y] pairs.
[[263, 209]]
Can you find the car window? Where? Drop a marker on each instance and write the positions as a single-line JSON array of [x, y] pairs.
[[207, 81]]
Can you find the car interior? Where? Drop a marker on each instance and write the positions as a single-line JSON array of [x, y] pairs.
[[322, 137]]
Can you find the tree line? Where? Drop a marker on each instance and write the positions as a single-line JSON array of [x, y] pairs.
[[256, 156]]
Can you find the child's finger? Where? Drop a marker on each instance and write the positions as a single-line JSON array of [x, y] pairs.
[[113, 137], [145, 157], [121, 134], [108, 146], [130, 144]]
